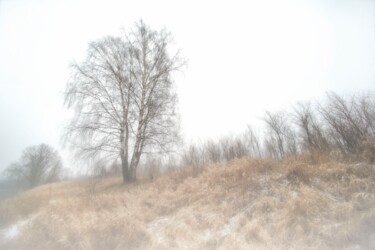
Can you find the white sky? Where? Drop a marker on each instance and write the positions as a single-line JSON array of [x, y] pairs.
[[244, 57]]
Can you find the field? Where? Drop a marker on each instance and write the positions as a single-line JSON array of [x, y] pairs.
[[244, 204]]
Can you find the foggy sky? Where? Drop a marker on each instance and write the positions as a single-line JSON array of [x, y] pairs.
[[244, 57]]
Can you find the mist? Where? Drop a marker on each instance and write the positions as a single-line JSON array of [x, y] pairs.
[[216, 124]]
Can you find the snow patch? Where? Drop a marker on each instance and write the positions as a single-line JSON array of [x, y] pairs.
[[228, 227], [155, 228], [206, 236], [13, 230], [226, 230]]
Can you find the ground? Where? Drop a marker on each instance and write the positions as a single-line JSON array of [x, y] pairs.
[[243, 204]]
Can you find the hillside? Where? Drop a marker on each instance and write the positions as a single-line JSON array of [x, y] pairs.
[[244, 204]]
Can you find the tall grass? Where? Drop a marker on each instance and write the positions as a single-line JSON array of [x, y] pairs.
[[246, 203]]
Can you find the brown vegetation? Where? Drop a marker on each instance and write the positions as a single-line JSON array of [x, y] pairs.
[[246, 203]]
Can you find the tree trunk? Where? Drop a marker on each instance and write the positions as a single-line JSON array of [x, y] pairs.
[[129, 173], [132, 174], [125, 169], [133, 166]]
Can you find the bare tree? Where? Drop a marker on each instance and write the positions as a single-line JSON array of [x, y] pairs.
[[233, 147], [124, 98], [311, 132], [350, 120], [281, 139], [212, 151], [227, 148], [193, 156], [366, 108], [251, 140], [38, 165]]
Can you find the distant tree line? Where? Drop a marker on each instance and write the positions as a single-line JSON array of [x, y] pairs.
[[342, 125], [37, 165]]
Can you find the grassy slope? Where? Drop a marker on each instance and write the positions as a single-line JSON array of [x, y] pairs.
[[246, 203]]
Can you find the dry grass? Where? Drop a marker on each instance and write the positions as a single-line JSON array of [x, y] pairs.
[[245, 204]]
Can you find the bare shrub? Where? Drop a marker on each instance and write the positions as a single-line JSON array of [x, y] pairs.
[[368, 148], [251, 140], [311, 132], [280, 139], [212, 151], [350, 120], [240, 147], [297, 175], [233, 147], [193, 156], [227, 149], [153, 167]]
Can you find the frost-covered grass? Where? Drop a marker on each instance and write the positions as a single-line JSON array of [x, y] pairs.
[[245, 204]]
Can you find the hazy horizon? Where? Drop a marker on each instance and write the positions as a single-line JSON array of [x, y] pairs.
[[243, 58]]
